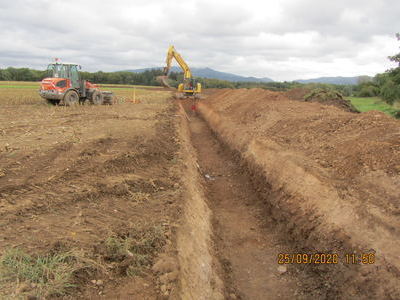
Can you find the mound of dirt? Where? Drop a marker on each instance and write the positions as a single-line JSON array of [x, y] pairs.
[[297, 93], [330, 97], [323, 96], [329, 178]]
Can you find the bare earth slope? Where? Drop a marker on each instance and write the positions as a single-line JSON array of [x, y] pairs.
[[329, 178]]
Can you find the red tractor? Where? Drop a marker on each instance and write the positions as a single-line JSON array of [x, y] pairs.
[[65, 87]]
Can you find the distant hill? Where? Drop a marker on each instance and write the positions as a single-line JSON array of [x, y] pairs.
[[210, 73], [334, 80]]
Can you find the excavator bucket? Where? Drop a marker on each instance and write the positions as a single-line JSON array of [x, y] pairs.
[[163, 80]]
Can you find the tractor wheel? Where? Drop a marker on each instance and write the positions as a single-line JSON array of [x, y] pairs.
[[97, 98], [71, 98]]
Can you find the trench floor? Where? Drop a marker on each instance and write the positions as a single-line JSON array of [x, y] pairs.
[[246, 246]]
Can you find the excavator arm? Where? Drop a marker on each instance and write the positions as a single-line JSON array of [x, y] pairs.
[[171, 54], [189, 86]]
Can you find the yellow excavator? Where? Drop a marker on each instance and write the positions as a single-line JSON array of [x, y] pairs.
[[189, 87]]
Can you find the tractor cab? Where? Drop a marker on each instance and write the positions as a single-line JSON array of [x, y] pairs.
[[64, 85], [65, 71]]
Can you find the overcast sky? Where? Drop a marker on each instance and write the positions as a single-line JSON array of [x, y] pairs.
[[283, 40]]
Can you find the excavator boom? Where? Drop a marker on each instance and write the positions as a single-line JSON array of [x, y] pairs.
[[171, 54]]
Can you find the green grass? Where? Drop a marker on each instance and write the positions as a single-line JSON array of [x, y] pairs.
[[128, 86], [34, 84], [2, 86], [19, 83], [106, 88], [44, 275], [364, 104], [139, 245]]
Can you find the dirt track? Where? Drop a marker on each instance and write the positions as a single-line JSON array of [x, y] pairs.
[[250, 176]]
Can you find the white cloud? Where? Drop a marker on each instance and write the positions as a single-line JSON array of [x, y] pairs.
[[283, 40]]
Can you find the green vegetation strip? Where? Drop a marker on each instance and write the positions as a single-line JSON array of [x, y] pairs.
[[45, 275], [35, 85], [19, 86], [372, 103], [103, 88], [127, 86]]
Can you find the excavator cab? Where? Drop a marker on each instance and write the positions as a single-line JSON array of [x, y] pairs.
[[189, 87]]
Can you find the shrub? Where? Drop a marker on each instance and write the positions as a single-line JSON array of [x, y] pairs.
[[390, 92], [368, 91]]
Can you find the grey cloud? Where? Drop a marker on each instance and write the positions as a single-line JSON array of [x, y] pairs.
[[249, 38], [356, 19]]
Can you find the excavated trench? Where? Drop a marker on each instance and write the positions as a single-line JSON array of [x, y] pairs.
[[255, 221], [245, 244], [246, 247]]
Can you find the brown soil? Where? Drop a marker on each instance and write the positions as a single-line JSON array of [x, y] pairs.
[[248, 175], [329, 179], [297, 93], [245, 243], [73, 177]]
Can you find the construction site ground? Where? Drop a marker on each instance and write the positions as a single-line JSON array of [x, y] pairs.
[[157, 200]]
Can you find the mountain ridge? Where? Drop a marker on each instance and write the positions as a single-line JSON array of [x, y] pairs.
[[211, 74], [214, 74]]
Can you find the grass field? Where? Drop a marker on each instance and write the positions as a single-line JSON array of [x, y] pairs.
[[20, 93], [373, 103], [35, 85]]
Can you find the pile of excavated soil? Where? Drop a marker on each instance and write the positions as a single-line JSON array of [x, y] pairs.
[[325, 97], [297, 93], [329, 178]]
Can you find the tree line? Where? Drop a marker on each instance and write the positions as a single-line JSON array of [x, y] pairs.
[[386, 85], [122, 77], [147, 77]]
